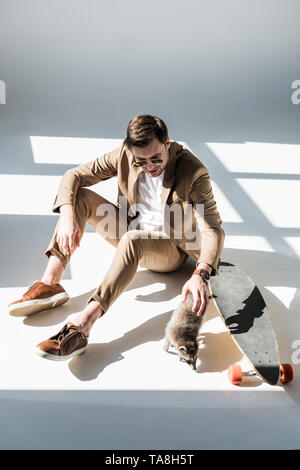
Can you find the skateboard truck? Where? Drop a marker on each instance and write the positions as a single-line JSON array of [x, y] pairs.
[[235, 374], [249, 373]]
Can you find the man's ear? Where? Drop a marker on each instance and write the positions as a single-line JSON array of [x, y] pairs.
[[168, 142]]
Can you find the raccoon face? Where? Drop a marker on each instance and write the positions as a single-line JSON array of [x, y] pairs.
[[189, 352]]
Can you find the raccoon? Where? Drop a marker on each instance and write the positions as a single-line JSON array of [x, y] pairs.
[[182, 331]]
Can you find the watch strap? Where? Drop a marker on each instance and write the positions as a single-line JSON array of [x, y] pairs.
[[203, 274]]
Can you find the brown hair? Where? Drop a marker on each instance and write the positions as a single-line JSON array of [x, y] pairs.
[[142, 129]]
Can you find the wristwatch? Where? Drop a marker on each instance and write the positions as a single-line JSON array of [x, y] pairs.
[[203, 274]]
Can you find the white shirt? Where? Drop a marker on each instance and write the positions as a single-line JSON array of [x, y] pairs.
[[149, 202]]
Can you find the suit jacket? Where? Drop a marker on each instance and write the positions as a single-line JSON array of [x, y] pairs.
[[186, 184]]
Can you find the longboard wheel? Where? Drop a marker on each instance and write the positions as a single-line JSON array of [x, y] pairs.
[[235, 374], [286, 373]]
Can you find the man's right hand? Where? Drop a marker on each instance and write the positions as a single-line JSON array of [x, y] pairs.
[[68, 233]]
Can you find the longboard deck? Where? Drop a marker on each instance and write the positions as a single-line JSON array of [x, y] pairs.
[[245, 314]]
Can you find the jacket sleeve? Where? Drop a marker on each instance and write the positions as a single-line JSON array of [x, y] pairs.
[[87, 174], [209, 223]]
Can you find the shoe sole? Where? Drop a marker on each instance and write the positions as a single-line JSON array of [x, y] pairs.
[[28, 307], [53, 357]]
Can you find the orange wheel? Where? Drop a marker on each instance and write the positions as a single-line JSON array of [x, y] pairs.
[[235, 374], [286, 373]]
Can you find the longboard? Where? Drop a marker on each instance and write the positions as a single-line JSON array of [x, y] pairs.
[[244, 311]]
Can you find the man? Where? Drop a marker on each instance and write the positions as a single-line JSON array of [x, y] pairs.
[[155, 175]]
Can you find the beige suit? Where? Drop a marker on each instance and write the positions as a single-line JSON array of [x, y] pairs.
[[186, 186]]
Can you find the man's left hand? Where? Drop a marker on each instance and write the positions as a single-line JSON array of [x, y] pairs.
[[200, 291]]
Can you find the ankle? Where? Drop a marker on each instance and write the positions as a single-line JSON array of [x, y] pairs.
[[85, 325], [86, 319], [54, 271], [50, 280]]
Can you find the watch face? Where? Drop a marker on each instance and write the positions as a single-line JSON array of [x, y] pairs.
[[204, 274]]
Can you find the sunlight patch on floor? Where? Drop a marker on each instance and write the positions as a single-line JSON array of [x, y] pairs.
[[294, 243], [275, 199], [247, 242], [258, 157]]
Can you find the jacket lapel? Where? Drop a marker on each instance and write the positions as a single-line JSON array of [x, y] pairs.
[[169, 175], [134, 172]]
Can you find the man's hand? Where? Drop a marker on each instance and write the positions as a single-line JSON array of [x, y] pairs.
[[200, 291], [68, 234]]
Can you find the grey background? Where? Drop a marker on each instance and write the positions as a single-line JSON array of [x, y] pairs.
[[215, 71]]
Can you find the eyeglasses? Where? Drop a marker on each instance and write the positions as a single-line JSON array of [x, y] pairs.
[[154, 162]]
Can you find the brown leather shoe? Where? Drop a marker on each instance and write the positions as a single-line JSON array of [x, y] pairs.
[[68, 342], [38, 297]]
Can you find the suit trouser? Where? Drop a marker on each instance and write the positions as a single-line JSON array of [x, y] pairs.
[[158, 254]]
